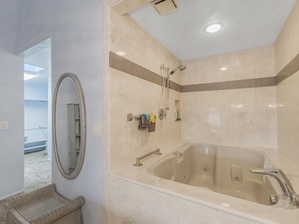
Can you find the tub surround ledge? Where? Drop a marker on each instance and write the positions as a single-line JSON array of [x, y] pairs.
[[254, 212]]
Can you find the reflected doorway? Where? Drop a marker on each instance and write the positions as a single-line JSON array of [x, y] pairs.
[[37, 116]]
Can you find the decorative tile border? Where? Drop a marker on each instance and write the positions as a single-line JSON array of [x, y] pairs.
[[129, 67], [236, 84], [288, 70]]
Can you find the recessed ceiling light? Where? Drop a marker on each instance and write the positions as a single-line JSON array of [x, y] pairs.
[[29, 76], [213, 28], [121, 53], [223, 69]]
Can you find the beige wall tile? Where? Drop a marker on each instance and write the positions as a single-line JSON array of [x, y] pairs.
[[130, 94], [129, 37], [133, 95], [288, 119], [287, 45], [236, 117], [248, 64], [286, 48], [242, 117]]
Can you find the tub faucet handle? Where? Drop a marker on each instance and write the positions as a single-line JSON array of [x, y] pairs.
[[284, 183]]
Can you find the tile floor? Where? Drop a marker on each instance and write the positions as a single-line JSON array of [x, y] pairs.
[[37, 170]]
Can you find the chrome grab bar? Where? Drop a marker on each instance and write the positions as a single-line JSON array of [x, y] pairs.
[[138, 159]]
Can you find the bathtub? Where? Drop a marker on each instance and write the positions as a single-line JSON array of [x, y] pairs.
[[220, 169]]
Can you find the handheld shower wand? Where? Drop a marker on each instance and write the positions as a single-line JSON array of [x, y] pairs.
[[179, 68]]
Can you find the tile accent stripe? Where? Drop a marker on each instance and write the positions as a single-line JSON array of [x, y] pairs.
[[236, 84], [288, 70], [122, 64], [129, 67]]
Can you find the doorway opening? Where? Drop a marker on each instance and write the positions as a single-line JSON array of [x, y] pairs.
[[37, 116]]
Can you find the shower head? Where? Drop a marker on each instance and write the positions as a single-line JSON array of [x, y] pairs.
[[179, 68]]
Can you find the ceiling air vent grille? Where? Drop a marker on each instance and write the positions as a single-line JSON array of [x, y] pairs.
[[164, 7]]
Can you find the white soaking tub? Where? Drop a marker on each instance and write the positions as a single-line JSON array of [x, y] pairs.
[[225, 170]]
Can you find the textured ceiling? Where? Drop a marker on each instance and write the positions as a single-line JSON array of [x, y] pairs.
[[247, 24]]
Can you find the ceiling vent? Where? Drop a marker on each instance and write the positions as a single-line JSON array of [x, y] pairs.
[[165, 7]]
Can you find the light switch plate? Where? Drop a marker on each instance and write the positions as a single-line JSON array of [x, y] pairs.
[[3, 125]]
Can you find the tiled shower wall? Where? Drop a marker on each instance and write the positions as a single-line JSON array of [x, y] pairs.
[[235, 117], [239, 117], [287, 47], [130, 94], [246, 64]]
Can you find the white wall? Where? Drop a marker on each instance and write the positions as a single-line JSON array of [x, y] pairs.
[[76, 29], [8, 24], [11, 110]]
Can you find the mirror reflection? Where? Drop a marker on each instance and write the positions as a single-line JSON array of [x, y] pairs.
[[68, 125]]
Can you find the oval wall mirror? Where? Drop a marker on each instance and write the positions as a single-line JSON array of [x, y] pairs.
[[69, 125]]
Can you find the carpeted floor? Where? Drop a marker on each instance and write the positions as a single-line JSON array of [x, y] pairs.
[[37, 170]]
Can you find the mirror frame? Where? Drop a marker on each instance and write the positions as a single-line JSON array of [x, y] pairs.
[[81, 157]]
